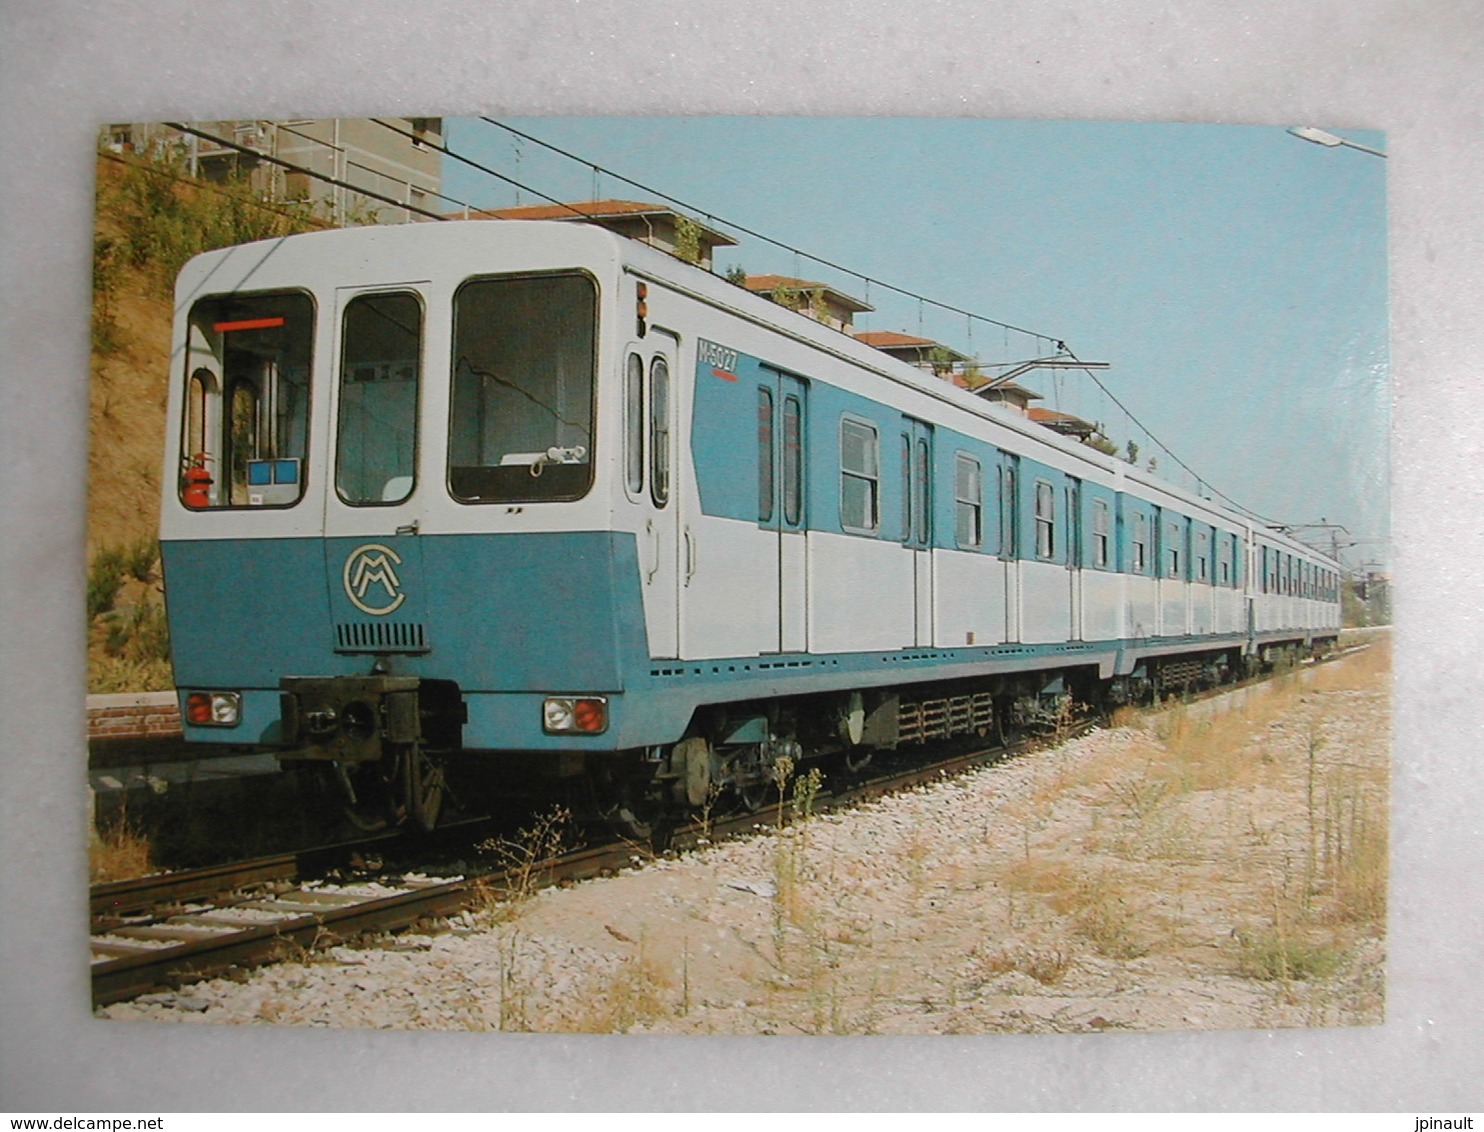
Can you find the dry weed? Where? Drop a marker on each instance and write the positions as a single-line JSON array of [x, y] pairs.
[[120, 852]]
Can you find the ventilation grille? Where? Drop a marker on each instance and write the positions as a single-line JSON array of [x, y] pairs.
[[380, 636]]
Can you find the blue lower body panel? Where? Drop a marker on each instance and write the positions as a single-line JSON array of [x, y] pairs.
[[512, 619]]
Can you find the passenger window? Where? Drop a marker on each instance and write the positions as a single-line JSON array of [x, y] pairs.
[[1202, 540], [1172, 557], [376, 433], [1045, 520], [659, 431], [906, 488], [1009, 513], [793, 479], [634, 424], [1140, 542], [765, 457], [1099, 533], [968, 501], [860, 477]]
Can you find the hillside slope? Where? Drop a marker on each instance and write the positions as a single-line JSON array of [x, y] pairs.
[[150, 218]]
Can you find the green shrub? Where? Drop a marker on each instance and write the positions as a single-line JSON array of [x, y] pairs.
[[140, 636], [165, 217], [105, 576], [140, 557]]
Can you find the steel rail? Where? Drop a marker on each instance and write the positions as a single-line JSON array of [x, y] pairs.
[[121, 897], [127, 976]]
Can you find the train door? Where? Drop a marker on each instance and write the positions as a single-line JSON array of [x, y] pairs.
[[667, 556], [1073, 496], [1010, 540], [917, 525], [372, 502], [782, 502]]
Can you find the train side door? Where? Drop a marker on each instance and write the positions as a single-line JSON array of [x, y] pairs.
[[784, 511], [917, 533], [663, 553]]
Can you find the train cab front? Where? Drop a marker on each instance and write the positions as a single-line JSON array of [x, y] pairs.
[[391, 537]]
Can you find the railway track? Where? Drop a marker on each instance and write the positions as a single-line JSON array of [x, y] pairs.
[[177, 928]]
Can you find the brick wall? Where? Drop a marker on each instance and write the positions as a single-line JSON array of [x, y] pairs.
[[141, 715]]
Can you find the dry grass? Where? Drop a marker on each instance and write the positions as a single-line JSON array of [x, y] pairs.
[[119, 852], [1250, 823], [1241, 847]]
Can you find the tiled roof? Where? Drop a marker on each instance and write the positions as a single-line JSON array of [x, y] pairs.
[[766, 284], [886, 339], [597, 210], [1012, 388], [1060, 422], [892, 340]]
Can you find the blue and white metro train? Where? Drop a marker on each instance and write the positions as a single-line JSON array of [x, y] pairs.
[[540, 499]]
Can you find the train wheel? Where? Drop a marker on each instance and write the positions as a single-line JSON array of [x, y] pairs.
[[858, 758], [753, 796]]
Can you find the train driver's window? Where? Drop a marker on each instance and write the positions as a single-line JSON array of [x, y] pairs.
[[860, 477], [245, 422], [376, 423], [968, 501], [1099, 533]]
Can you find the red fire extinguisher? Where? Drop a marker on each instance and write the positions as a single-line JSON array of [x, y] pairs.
[[197, 491]]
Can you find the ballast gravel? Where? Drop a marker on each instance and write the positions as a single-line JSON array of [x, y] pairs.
[[1074, 889]]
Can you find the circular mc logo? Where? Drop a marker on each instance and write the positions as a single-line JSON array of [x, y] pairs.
[[371, 581]]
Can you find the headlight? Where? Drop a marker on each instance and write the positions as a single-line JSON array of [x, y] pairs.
[[214, 709], [566, 714]]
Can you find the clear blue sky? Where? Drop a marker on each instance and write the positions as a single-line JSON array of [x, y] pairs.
[[1233, 276]]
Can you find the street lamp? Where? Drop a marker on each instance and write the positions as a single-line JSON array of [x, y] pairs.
[[1322, 137]]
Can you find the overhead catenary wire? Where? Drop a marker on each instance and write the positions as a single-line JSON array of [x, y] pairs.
[[1201, 481], [922, 300], [780, 244], [229, 144]]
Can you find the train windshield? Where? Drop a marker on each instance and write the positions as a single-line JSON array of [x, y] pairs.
[[245, 425], [522, 413]]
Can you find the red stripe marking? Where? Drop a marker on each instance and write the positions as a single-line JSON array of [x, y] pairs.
[[246, 324], [723, 374]]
